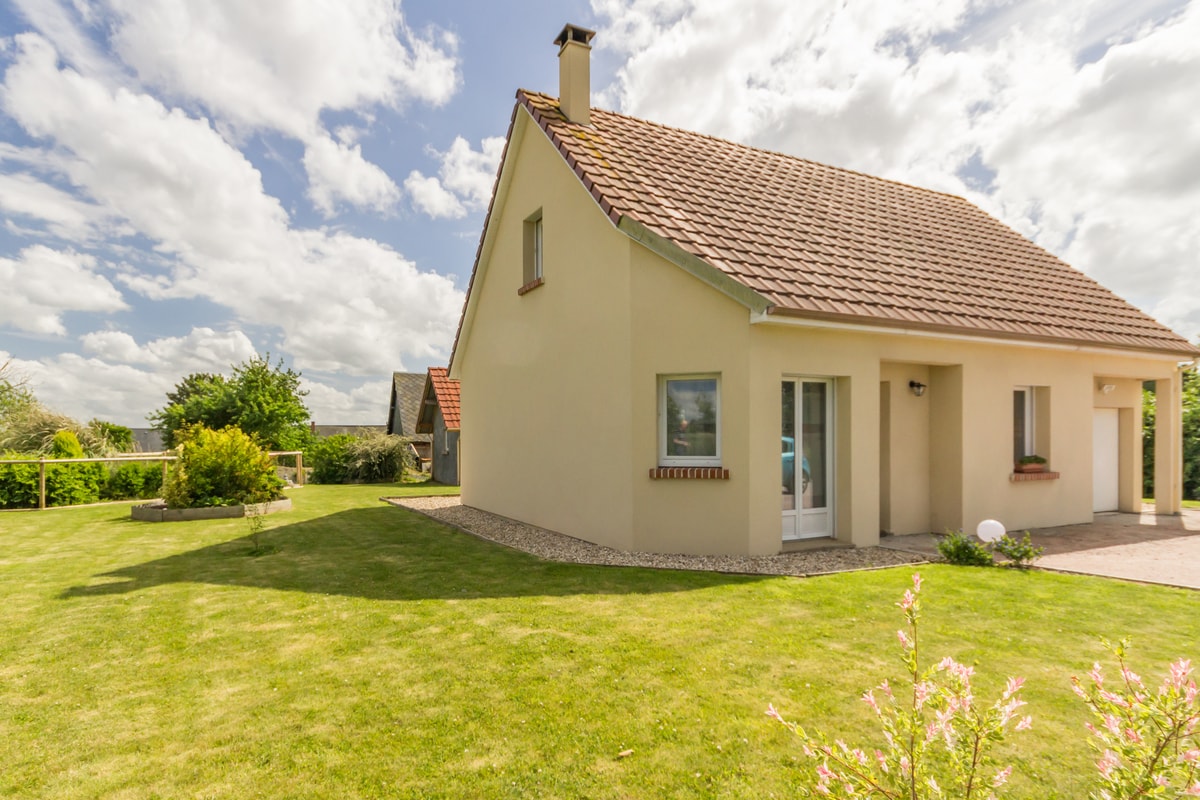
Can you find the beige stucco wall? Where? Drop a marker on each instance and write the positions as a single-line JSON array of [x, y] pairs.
[[546, 394], [560, 398]]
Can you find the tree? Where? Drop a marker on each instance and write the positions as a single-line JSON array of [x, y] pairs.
[[264, 401], [1191, 437], [14, 391]]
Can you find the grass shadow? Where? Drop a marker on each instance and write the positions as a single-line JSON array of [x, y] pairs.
[[388, 553]]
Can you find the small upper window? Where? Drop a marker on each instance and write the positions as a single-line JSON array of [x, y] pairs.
[[689, 421], [533, 248]]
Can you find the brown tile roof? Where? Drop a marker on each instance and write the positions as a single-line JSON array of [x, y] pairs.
[[440, 392], [828, 243]]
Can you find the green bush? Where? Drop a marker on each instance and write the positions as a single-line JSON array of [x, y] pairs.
[[378, 458], [330, 458], [959, 549], [133, 480], [71, 484], [370, 457], [18, 482], [1021, 554], [220, 468]]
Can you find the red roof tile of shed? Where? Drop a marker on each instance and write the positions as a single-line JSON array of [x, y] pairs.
[[829, 243], [446, 391]]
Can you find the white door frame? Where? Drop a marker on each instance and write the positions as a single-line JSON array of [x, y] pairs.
[[802, 523]]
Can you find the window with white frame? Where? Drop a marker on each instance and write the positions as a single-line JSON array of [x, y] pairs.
[[533, 249], [689, 420]]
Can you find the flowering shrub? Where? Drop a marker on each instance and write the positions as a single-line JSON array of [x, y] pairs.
[[1149, 741], [937, 738]]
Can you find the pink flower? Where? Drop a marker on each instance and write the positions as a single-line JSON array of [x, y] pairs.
[[1096, 676], [1132, 677], [772, 713], [1133, 735], [886, 688], [1025, 724], [1108, 763], [1193, 790], [1014, 685], [916, 581], [905, 642], [1179, 672], [1001, 777], [869, 699], [906, 602]]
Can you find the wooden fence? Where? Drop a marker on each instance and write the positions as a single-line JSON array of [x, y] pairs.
[[165, 458]]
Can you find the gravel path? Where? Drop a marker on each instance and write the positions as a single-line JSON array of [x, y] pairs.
[[558, 547]]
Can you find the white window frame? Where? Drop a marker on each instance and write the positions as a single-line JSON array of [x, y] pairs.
[[538, 247], [665, 460]]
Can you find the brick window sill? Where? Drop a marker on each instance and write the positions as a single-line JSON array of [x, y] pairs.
[[1025, 477], [529, 287], [689, 473]]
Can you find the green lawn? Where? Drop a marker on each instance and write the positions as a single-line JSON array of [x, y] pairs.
[[376, 654]]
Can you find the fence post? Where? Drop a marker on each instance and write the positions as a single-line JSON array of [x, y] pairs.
[[299, 469], [41, 484], [164, 482]]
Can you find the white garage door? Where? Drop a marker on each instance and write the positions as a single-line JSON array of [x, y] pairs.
[[1106, 442]]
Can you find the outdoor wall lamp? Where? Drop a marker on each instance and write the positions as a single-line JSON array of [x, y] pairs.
[[917, 387], [1107, 388]]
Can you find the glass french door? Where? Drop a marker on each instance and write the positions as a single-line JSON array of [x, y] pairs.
[[807, 457]]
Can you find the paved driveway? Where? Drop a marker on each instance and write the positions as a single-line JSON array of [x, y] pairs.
[[1139, 547]]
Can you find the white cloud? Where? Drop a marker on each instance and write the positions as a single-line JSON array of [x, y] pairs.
[[338, 171], [343, 303], [430, 197], [125, 392], [202, 350], [465, 179], [42, 284], [61, 213], [255, 72], [1071, 121], [363, 405]]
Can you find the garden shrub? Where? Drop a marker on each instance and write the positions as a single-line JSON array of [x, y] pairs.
[[133, 480], [220, 468], [958, 548], [329, 458], [378, 458], [18, 482], [1020, 554], [71, 484], [370, 457]]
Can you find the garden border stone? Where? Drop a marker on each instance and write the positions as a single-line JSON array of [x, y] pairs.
[[158, 512]]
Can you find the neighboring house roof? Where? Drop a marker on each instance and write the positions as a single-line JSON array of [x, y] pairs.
[[407, 388], [441, 391], [792, 237]]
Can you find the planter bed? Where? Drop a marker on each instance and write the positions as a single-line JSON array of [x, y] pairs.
[[158, 512]]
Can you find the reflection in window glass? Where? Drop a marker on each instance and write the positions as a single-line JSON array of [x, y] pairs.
[[815, 436], [788, 445], [691, 418]]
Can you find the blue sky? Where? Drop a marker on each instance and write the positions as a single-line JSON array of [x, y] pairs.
[[184, 185]]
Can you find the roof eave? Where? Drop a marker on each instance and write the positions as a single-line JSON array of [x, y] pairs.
[[782, 314]]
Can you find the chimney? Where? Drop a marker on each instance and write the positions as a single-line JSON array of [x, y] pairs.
[[575, 74]]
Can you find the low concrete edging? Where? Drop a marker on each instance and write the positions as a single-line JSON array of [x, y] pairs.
[[158, 512]]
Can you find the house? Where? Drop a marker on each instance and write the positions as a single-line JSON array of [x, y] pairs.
[[402, 413], [674, 343], [439, 418]]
